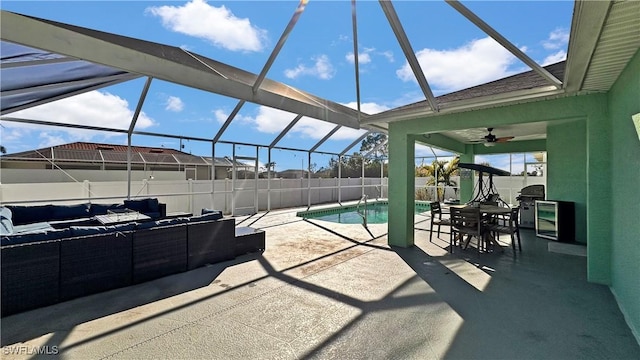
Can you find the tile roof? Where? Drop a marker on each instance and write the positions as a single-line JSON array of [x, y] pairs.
[[117, 148], [523, 81], [108, 153]]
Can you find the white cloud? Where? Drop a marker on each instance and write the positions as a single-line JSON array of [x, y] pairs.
[[363, 57], [94, 108], [388, 55], [174, 104], [322, 69], [220, 115], [474, 63], [49, 140], [554, 58], [368, 108], [215, 24], [317, 129], [558, 38], [273, 121]]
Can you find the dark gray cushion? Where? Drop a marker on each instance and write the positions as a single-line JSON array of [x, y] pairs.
[[30, 214], [35, 236], [163, 222], [207, 217], [153, 205], [67, 212], [101, 209], [137, 205], [92, 230], [153, 215]]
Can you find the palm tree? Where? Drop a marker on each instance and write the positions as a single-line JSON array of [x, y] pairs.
[[445, 170]]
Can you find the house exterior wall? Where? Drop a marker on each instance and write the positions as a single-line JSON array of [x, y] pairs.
[[592, 150], [567, 175], [624, 177], [593, 204]]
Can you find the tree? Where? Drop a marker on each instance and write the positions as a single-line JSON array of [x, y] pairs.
[[269, 166], [373, 140], [3, 149], [352, 167], [445, 170]]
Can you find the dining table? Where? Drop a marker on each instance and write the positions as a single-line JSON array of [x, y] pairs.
[[490, 213]]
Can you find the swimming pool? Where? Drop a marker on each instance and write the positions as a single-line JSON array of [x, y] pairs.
[[377, 213]]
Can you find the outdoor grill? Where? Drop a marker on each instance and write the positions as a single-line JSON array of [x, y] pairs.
[[527, 198]]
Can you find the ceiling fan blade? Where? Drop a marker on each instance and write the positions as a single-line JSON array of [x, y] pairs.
[[504, 139]]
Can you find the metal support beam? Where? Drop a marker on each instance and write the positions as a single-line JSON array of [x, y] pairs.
[[114, 51], [355, 142], [80, 83], [394, 21], [362, 179], [213, 176], [340, 179], [265, 68], [355, 53], [132, 126], [18, 64], [285, 131], [269, 179], [504, 42], [113, 80], [325, 138], [376, 148], [308, 179], [279, 45], [229, 120]]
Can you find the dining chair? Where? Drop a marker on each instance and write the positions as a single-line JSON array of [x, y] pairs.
[[466, 221], [437, 219], [510, 227]]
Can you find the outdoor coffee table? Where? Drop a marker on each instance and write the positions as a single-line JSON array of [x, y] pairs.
[[113, 217]]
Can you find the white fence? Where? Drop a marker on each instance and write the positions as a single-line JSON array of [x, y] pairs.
[[194, 195]]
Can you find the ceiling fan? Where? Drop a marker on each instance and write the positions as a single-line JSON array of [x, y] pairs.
[[490, 139]]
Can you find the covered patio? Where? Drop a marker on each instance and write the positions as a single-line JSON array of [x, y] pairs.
[[318, 292]]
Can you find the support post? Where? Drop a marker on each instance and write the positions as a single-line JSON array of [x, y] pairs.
[[401, 187]]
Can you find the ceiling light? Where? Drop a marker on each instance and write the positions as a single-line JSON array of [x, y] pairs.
[[489, 144]]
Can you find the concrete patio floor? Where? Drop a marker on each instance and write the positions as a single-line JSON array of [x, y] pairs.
[[334, 291]]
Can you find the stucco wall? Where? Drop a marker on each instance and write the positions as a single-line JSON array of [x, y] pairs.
[[624, 101], [566, 169]]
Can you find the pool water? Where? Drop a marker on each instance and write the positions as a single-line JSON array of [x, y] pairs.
[[377, 213]]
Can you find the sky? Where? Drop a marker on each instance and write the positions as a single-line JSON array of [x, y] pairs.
[[318, 57]]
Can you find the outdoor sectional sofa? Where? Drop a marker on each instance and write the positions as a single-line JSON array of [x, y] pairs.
[[90, 259]]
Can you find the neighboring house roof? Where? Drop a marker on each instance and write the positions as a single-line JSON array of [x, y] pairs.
[[115, 147], [292, 172], [115, 153]]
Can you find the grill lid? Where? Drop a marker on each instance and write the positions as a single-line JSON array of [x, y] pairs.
[[532, 191]]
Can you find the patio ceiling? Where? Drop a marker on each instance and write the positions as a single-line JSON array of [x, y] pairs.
[[604, 36]]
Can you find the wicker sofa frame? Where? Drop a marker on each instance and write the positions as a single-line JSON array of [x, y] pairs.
[[39, 274]]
